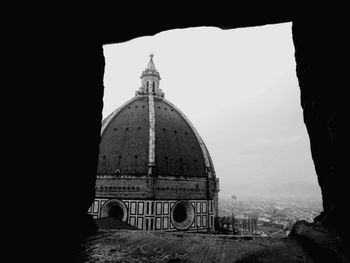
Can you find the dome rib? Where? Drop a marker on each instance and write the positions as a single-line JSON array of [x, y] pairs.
[[152, 132], [200, 141]]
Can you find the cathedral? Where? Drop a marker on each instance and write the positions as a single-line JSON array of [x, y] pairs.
[[154, 170]]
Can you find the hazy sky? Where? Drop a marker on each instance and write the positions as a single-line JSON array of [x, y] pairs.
[[239, 89]]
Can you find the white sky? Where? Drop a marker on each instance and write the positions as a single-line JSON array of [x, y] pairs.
[[239, 89]]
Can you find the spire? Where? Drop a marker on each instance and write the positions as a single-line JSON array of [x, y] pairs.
[[150, 81], [150, 66], [151, 69]]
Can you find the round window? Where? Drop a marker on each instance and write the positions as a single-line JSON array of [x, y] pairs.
[[182, 215]]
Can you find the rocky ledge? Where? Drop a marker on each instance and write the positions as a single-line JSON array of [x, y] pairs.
[[140, 246]]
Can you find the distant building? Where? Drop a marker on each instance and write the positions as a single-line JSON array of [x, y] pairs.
[[240, 225], [154, 170], [246, 226]]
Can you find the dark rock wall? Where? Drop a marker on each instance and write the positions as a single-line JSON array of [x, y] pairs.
[[320, 66], [60, 64]]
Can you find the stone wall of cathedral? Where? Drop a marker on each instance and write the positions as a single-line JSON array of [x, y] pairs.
[[156, 188], [152, 215]]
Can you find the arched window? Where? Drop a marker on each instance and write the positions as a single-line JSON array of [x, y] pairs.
[[153, 87]]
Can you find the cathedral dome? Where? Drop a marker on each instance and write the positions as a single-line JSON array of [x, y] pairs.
[[127, 146], [148, 134], [154, 170]]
